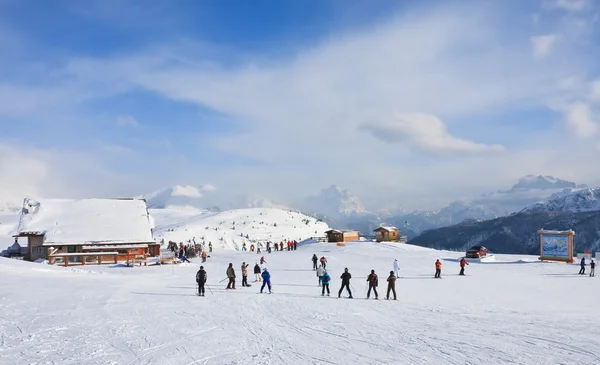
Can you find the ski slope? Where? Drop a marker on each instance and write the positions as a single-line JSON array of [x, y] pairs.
[[228, 229], [514, 310]]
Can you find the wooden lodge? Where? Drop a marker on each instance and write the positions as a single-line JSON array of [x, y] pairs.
[[334, 235], [387, 234], [88, 231]]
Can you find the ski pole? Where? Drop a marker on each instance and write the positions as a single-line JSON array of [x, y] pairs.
[[209, 289], [223, 280]]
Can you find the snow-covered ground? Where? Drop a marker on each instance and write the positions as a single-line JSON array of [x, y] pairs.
[[229, 229], [514, 310]]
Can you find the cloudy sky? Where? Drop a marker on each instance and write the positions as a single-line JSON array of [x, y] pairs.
[[414, 103]]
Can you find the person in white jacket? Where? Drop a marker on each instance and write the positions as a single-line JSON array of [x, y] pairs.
[[396, 267], [320, 273]]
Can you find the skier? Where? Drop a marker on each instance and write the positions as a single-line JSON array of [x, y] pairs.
[[258, 246], [463, 262], [244, 246], [592, 268], [582, 264], [201, 280], [373, 280], [396, 267], [209, 246], [391, 285], [320, 272], [251, 248], [326, 280], [295, 245], [203, 256], [438, 269], [280, 246], [231, 276], [323, 262], [345, 283], [266, 280], [314, 260], [257, 273], [245, 274], [262, 260]]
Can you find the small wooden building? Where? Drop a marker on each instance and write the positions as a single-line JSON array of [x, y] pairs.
[[387, 234], [334, 235]]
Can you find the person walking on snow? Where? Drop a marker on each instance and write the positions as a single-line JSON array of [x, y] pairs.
[[391, 285], [314, 260], [209, 246], [245, 274], [257, 273], [582, 264], [320, 272], [262, 260], [373, 281], [396, 267], [592, 268], [345, 283], [326, 280], [231, 276], [244, 246], [280, 246], [266, 280], [323, 262], [201, 280], [438, 269], [463, 262]]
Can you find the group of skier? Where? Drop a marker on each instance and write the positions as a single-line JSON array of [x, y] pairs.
[[592, 267]]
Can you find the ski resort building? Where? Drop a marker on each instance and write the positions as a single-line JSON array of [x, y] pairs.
[[387, 234], [77, 231], [334, 235]]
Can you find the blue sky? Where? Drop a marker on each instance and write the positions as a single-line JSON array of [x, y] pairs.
[[412, 103]]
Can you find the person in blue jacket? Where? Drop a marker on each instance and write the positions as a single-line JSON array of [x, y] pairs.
[[582, 264], [326, 279], [266, 280]]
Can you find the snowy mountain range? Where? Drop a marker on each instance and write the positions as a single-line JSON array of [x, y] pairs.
[[584, 200]]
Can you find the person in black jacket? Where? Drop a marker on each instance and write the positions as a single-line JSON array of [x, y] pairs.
[[345, 283], [201, 280], [257, 273], [314, 260], [373, 281]]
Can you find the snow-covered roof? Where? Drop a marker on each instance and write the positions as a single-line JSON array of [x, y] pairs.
[[334, 230], [87, 221], [542, 231], [114, 247], [388, 228]]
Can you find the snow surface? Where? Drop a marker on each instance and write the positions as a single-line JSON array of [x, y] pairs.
[[89, 221], [228, 230], [515, 310]]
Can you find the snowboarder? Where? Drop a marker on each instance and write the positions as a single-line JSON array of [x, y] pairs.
[[209, 246], [245, 274], [262, 260], [314, 260], [320, 272], [345, 283], [582, 264], [373, 281], [266, 280], [257, 273], [592, 268], [326, 279], [201, 280], [231, 276], [391, 286], [396, 267], [438, 269], [323, 262], [463, 262]]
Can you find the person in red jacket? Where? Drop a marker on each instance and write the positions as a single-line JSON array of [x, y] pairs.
[[463, 262]]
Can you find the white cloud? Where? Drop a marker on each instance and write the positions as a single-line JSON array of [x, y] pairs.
[[208, 187], [579, 118], [186, 190], [535, 18], [568, 5], [595, 92], [127, 121], [425, 132], [541, 45]]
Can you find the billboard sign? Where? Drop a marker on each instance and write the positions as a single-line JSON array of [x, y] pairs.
[[555, 247]]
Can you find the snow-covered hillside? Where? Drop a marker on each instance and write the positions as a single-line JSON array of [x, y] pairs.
[[230, 229], [579, 201], [151, 315]]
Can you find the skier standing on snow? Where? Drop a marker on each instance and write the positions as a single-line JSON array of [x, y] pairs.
[[209, 246], [231, 276], [592, 268], [257, 273], [201, 280], [266, 280], [463, 262], [373, 282], [396, 267], [314, 260], [245, 274], [320, 272], [582, 263], [262, 260], [438, 269], [323, 262], [345, 283], [391, 285], [326, 280]]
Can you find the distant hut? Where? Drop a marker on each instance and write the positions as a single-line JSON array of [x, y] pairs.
[[387, 234], [334, 235]]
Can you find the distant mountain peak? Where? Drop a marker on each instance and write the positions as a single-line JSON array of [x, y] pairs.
[[543, 182], [584, 200]]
